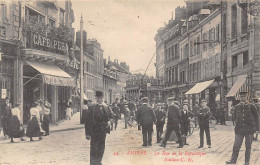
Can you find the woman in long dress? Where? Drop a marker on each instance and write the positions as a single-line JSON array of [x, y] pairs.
[[46, 118], [33, 128], [15, 127]]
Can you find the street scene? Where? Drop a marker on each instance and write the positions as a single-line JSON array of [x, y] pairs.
[[129, 82]]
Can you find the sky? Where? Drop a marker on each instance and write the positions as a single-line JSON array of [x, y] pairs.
[[125, 29]]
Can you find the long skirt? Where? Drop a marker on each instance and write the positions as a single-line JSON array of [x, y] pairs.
[[45, 123], [33, 129], [15, 129]]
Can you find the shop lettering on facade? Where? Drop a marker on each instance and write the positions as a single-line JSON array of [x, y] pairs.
[[48, 43]]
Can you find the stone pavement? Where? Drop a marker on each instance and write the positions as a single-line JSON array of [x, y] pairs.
[[123, 147]]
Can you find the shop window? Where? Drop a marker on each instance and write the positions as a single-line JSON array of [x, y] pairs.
[[234, 21], [245, 58], [234, 61]]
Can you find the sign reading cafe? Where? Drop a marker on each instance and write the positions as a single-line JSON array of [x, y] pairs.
[[40, 40]]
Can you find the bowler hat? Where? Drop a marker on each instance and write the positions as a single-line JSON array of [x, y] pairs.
[[99, 94]]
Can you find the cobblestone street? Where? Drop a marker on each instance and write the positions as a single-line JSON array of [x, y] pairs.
[[71, 147]]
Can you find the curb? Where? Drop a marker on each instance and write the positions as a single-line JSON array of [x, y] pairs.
[[67, 129]]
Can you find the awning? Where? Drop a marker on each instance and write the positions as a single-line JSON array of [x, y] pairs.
[[199, 87], [52, 74], [239, 84]]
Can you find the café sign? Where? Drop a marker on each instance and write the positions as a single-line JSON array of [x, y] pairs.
[[39, 40]]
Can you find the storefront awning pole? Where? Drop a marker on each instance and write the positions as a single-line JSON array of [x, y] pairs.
[[81, 67], [31, 79]]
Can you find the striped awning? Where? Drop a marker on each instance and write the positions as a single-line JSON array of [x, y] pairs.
[[240, 85], [199, 87]]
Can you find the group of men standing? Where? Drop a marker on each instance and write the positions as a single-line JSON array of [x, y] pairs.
[[176, 116]]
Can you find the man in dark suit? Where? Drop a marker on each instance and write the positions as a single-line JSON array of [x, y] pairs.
[[160, 118], [146, 118], [96, 128], [173, 123], [246, 123], [204, 114]]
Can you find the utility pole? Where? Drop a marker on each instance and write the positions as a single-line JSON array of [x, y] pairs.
[[81, 67]]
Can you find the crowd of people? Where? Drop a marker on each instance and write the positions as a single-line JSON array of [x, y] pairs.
[[100, 119], [37, 126]]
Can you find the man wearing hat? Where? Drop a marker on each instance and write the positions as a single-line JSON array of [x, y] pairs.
[[146, 118], [203, 117], [246, 123], [96, 128], [173, 123], [160, 118], [185, 121]]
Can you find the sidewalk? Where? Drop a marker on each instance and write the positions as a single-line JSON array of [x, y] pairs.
[[67, 125]]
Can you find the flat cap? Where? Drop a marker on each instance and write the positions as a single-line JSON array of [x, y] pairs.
[[203, 100], [185, 102]]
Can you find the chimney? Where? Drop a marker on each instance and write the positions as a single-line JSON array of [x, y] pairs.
[[84, 39]]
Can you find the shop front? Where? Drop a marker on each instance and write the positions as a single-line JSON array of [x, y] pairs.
[[47, 82]]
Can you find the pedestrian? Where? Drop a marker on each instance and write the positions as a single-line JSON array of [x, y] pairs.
[[185, 121], [126, 114], [222, 115], [146, 118], [15, 127], [246, 124], [46, 118], [204, 114], [96, 127], [68, 112], [84, 111], [257, 106], [160, 118], [232, 111], [6, 115], [132, 107], [195, 111], [173, 122], [218, 115], [116, 112], [137, 111], [39, 106], [33, 127]]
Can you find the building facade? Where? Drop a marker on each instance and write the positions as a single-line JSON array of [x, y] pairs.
[[42, 34]]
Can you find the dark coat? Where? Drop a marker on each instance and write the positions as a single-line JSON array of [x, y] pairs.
[[145, 116], [116, 111], [185, 116], [246, 119], [203, 116], [97, 119], [174, 115], [160, 117]]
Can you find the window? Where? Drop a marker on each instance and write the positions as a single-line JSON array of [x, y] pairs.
[[224, 31], [204, 39], [176, 73], [2, 31], [217, 33], [61, 16], [34, 15], [195, 48], [234, 21], [210, 37], [51, 23], [234, 61], [172, 74], [186, 51], [198, 45], [199, 70], [191, 47], [245, 58], [2, 12], [172, 52], [244, 21], [176, 50]]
